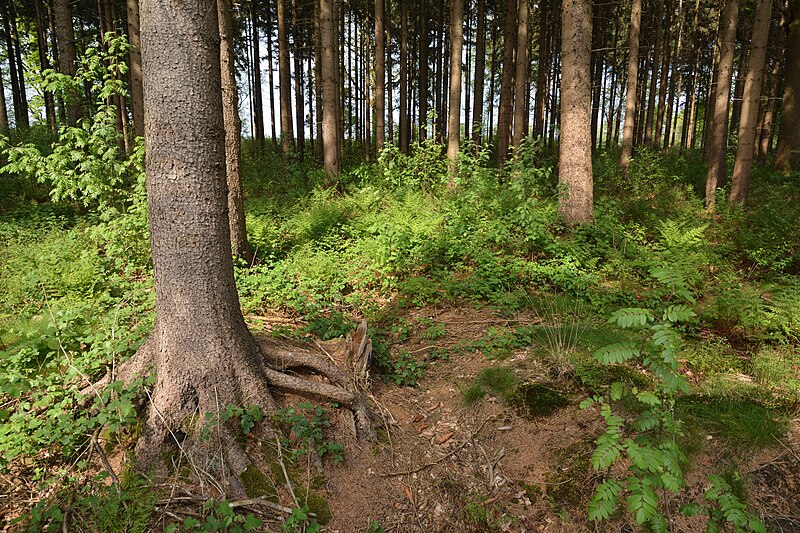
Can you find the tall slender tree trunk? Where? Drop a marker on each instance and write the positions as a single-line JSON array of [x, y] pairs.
[[480, 75], [273, 117], [423, 71], [654, 76], [330, 128], [44, 63], [717, 135], [285, 83], [630, 96], [746, 30], [403, 139], [542, 68], [492, 77], [135, 65], [743, 167], [575, 201], [658, 135], [787, 156], [258, 105], [299, 99], [16, 59], [521, 74], [765, 134], [3, 108], [380, 77], [232, 123], [454, 115], [504, 114]]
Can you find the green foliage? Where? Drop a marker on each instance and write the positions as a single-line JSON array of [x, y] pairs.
[[727, 508], [306, 423], [300, 521], [217, 516]]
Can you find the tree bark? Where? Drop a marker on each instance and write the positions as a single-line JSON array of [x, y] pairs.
[[787, 156], [654, 76], [504, 114], [44, 63], [717, 136], [299, 99], [285, 83], [233, 140], [743, 167], [423, 71], [630, 96], [454, 115], [766, 130], [258, 103], [380, 77], [521, 75], [330, 128], [135, 65], [403, 139], [3, 108], [542, 68], [575, 201], [480, 75]]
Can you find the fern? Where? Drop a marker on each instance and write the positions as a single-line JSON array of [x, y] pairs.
[[617, 353], [631, 317]]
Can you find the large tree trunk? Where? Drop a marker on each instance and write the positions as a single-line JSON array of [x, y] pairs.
[[521, 75], [330, 129], [575, 202], [480, 75], [203, 354], [717, 135], [380, 77], [630, 96], [285, 82], [233, 140], [504, 114], [787, 156], [743, 167], [44, 63], [454, 116]]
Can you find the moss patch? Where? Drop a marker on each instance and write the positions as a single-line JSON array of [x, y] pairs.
[[535, 400], [317, 504], [256, 483]]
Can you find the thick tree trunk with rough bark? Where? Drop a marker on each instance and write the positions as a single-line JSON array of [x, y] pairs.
[[233, 140], [630, 96], [200, 348], [454, 117], [743, 167], [787, 156], [521, 75], [504, 113], [717, 135], [575, 202]]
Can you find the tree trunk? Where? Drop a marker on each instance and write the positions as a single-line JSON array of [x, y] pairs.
[[44, 63], [380, 77], [233, 139], [743, 167], [521, 75], [454, 115], [330, 128], [258, 103], [575, 201], [135, 65], [480, 75], [299, 100], [741, 76], [423, 71], [3, 108], [492, 76], [403, 139], [542, 68], [765, 133], [654, 76], [203, 354], [716, 139], [787, 156], [662, 88], [630, 96], [285, 83], [504, 114]]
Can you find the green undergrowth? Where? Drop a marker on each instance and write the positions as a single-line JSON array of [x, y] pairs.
[[387, 239]]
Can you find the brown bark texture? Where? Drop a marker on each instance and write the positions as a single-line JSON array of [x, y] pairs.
[[67, 54], [575, 201], [285, 82], [480, 74], [454, 117], [743, 166], [380, 77], [719, 122], [521, 75], [630, 96], [135, 64], [330, 128], [787, 156], [504, 113]]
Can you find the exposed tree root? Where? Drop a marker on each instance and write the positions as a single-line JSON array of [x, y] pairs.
[[195, 384]]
